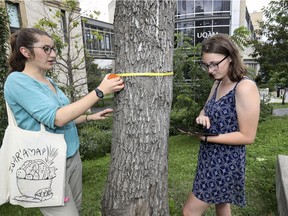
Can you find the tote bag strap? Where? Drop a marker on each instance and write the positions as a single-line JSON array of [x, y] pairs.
[[12, 120]]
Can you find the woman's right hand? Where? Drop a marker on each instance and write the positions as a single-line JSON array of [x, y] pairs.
[[108, 86]]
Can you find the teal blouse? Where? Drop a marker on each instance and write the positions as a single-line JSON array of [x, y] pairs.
[[33, 102]]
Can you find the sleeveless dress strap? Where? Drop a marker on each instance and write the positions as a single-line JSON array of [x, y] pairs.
[[245, 77]]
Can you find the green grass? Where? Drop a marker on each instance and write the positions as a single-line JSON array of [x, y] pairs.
[[279, 105], [271, 141]]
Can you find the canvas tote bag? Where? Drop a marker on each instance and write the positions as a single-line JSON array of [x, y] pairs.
[[32, 166]]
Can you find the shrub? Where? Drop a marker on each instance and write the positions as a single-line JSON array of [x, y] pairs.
[[4, 35], [95, 139], [184, 113], [266, 110]]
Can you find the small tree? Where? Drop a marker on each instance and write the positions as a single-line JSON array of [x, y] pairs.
[[272, 53], [4, 34], [241, 37], [191, 84]]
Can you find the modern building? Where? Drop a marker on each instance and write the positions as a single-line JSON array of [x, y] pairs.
[[197, 19], [98, 38], [201, 19], [256, 17], [26, 13]]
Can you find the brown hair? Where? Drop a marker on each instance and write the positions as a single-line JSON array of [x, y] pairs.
[[23, 38], [222, 44]]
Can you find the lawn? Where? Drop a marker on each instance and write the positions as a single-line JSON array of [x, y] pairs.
[[279, 105], [260, 174]]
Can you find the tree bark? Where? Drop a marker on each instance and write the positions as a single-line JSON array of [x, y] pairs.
[[144, 41]]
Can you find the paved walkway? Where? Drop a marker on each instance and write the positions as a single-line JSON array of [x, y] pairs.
[[280, 112]]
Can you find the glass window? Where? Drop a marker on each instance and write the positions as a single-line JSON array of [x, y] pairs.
[[199, 7], [202, 7], [224, 30], [226, 5], [200, 26], [14, 16], [190, 7], [188, 24], [221, 22], [207, 5], [221, 5], [102, 42], [185, 9], [183, 5], [107, 41], [207, 22], [217, 6], [199, 23], [202, 33], [95, 43], [87, 39], [203, 22]]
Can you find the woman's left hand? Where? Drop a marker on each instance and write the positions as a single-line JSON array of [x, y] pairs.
[[101, 115]]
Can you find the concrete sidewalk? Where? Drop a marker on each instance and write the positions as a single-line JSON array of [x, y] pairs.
[[280, 112]]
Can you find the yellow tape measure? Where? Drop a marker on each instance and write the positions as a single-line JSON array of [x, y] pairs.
[[145, 74]]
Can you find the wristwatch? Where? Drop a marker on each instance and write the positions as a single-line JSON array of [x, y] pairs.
[[99, 93]]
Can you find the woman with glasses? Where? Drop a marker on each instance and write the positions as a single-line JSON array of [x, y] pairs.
[[35, 98], [231, 111]]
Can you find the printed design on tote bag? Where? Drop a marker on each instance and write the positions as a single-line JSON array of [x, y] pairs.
[[34, 176]]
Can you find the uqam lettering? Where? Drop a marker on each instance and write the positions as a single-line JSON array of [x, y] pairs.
[[206, 34]]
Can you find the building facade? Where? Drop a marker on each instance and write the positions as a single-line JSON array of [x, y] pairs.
[[200, 19], [98, 39], [197, 19], [26, 13]]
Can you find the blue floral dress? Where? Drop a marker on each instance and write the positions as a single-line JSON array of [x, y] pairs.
[[220, 176]]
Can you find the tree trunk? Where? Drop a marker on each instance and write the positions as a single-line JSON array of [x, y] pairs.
[[144, 41]]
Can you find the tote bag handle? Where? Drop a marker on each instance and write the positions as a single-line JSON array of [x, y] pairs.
[[12, 120]]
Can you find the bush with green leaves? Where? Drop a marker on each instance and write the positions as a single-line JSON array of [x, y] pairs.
[[4, 34], [95, 139], [184, 112], [266, 110]]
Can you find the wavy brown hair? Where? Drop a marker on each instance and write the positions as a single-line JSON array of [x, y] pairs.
[[222, 44], [23, 38]]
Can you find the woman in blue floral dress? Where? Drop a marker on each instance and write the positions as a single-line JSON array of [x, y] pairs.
[[232, 111]]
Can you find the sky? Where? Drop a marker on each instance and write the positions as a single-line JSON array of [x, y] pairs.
[[102, 6], [254, 5], [98, 5]]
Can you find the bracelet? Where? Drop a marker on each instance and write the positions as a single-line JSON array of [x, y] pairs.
[[87, 118], [205, 139]]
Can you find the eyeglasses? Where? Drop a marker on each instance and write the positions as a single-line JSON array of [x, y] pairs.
[[47, 49], [213, 66]]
